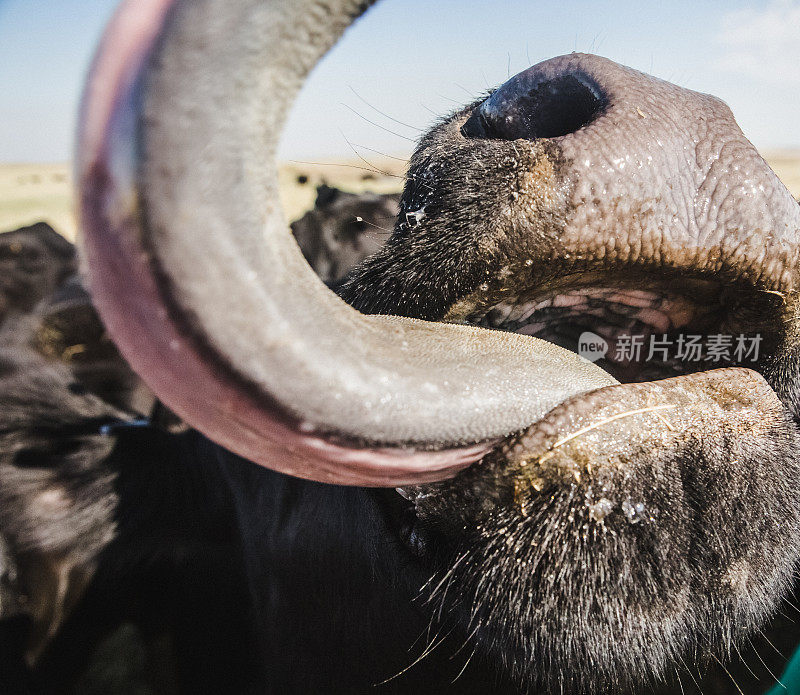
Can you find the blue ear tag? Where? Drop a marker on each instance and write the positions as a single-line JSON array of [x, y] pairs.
[[790, 680]]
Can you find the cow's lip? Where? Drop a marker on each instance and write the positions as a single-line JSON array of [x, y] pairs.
[[692, 305], [650, 308], [668, 306], [688, 305]]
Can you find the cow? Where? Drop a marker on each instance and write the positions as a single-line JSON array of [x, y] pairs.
[[437, 494], [343, 229]]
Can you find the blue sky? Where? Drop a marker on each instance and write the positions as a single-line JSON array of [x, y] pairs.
[[412, 59]]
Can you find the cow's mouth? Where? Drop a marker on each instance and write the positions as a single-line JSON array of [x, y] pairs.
[[643, 328]]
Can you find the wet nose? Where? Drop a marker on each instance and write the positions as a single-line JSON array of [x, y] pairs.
[[538, 103]]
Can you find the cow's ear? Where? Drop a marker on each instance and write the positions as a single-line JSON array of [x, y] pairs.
[[59, 246], [326, 195], [57, 497]]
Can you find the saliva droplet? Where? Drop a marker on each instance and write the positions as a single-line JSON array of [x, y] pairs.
[[601, 509], [633, 511]]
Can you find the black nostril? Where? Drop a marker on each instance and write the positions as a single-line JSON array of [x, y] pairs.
[[529, 107]]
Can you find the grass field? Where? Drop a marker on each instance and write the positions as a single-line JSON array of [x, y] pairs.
[[44, 192], [33, 192]]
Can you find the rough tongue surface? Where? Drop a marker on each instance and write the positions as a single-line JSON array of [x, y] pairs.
[[195, 273]]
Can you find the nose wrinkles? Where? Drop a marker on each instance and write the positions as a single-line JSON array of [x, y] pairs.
[[654, 173]]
